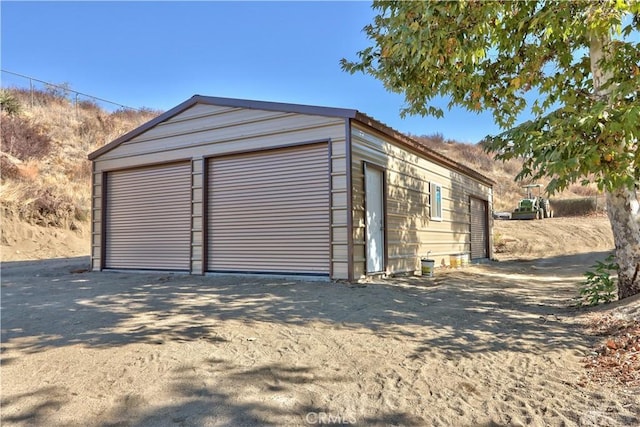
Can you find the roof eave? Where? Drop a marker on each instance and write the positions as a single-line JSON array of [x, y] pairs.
[[420, 148], [277, 106], [300, 109], [226, 102]]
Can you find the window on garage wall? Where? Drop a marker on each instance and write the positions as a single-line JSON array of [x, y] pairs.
[[436, 201]]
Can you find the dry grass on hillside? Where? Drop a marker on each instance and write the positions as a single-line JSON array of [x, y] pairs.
[[46, 176], [45, 141]]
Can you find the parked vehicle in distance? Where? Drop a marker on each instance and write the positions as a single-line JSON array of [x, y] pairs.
[[533, 206]]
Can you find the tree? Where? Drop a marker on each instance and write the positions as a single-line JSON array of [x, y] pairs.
[[573, 65]]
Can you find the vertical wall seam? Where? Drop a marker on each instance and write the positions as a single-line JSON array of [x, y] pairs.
[[103, 222], [330, 225], [205, 214], [348, 155], [93, 213], [191, 222]]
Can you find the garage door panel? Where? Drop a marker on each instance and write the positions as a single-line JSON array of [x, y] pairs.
[[294, 168], [275, 195], [148, 219], [269, 211], [287, 157]]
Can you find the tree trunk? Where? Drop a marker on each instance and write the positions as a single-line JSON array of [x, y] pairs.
[[622, 203], [624, 214]]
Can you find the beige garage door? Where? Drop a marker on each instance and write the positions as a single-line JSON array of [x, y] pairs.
[[269, 211], [479, 229], [148, 216]]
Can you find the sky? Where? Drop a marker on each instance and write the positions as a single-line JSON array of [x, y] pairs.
[[158, 54]]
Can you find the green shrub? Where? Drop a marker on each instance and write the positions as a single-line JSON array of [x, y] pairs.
[[576, 206], [599, 286], [9, 103]]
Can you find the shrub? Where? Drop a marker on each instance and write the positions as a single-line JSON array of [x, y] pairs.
[[88, 105], [499, 243], [474, 157], [434, 142], [584, 190], [23, 139], [44, 206], [9, 103], [8, 168], [130, 115], [80, 171], [599, 286], [512, 166], [574, 207]]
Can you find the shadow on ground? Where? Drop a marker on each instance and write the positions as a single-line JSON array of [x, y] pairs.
[[57, 303]]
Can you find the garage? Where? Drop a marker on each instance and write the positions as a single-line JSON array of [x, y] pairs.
[[479, 229], [224, 185], [148, 213], [267, 211]]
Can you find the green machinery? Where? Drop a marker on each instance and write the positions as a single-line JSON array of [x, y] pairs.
[[534, 206]]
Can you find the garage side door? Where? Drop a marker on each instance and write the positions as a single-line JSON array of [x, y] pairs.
[[148, 214], [269, 211], [479, 229]]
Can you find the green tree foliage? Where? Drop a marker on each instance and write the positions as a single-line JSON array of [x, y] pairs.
[[575, 65], [513, 57]]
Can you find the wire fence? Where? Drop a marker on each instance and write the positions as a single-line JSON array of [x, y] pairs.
[[12, 79]]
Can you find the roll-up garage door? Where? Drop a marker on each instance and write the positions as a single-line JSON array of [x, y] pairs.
[[269, 211], [148, 217], [479, 229]]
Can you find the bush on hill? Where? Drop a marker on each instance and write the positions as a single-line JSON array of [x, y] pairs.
[[45, 140]]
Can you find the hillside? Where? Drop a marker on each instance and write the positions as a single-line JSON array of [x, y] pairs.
[[45, 190]]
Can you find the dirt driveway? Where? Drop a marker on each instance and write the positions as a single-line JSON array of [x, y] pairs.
[[488, 345]]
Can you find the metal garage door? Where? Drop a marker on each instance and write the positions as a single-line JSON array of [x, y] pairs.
[[148, 214], [269, 211], [479, 229]]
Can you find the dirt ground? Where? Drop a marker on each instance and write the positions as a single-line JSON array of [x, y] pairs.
[[489, 345], [551, 237], [20, 241]]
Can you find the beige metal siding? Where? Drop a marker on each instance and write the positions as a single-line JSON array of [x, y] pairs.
[[479, 232], [411, 232], [268, 211], [207, 131], [148, 214]]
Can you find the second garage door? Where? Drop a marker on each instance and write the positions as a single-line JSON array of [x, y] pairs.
[[269, 211]]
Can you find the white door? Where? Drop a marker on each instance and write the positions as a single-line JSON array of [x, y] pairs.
[[374, 200]]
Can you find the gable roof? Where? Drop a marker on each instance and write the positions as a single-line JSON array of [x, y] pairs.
[[344, 113]]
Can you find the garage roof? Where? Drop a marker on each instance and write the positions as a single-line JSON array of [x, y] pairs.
[[300, 109]]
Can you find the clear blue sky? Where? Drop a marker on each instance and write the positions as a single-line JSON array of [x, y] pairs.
[[158, 54]]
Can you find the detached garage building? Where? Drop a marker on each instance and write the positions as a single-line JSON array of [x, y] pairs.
[[230, 185]]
